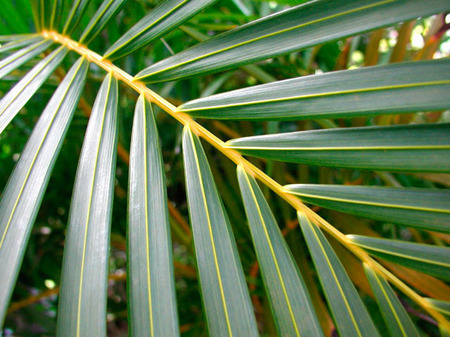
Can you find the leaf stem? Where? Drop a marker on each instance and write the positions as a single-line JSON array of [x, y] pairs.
[[237, 158]]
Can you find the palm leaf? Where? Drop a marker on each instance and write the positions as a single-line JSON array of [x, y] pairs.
[[442, 306], [82, 304], [433, 260], [75, 15], [151, 288], [21, 56], [395, 148], [397, 320], [166, 16], [18, 96], [20, 42], [349, 313], [107, 11], [369, 91], [290, 301], [56, 11], [23, 194], [225, 295], [417, 207], [284, 32]]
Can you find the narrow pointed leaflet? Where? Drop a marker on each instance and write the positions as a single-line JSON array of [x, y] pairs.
[[21, 56], [23, 193], [348, 310], [21, 42], [19, 95], [397, 320], [287, 292], [299, 27], [228, 309], [432, 260], [75, 15], [410, 148], [106, 12], [442, 306], [369, 91], [168, 15], [151, 286], [84, 280], [427, 208]]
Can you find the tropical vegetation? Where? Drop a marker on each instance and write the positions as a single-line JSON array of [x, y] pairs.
[[224, 168]]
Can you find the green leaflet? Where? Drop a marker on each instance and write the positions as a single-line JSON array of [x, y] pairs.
[[439, 305], [228, 309], [423, 148], [21, 56], [151, 287], [106, 12], [394, 314], [432, 260], [19, 95], [416, 86], [168, 15], [288, 295], [20, 42], [417, 207], [84, 281], [75, 15], [23, 193], [55, 14], [348, 310], [299, 27]]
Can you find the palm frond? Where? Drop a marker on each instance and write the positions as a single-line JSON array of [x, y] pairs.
[[433, 260], [367, 91], [82, 304], [19, 95], [22, 196], [397, 320], [291, 304], [346, 306], [287, 31], [151, 288], [21, 56], [416, 207], [166, 16], [225, 295]]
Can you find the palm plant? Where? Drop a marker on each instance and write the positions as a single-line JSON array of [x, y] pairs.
[[376, 101]]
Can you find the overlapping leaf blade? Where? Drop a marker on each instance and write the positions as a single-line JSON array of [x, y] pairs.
[[75, 15], [168, 15], [19, 95], [24, 191], [20, 42], [151, 286], [106, 12], [397, 320], [55, 15], [287, 292], [225, 295], [299, 27], [432, 260], [413, 148], [439, 305], [348, 310], [416, 86], [21, 56], [83, 295], [418, 207]]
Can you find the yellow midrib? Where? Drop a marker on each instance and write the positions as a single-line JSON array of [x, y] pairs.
[[248, 167]]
